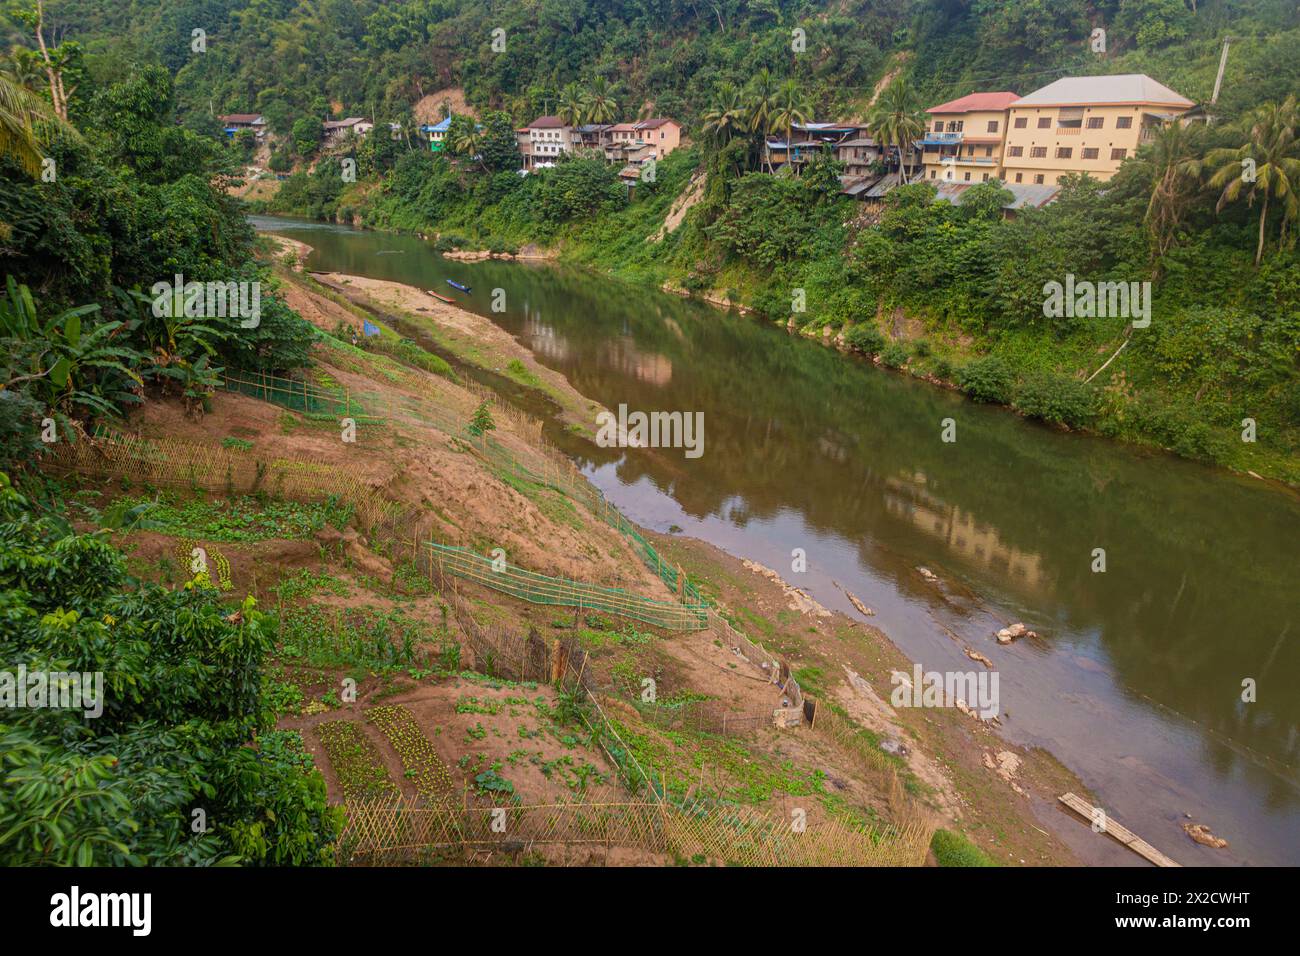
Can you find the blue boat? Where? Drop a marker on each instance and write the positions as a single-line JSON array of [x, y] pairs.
[[456, 285]]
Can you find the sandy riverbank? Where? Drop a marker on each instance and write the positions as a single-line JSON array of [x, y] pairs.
[[469, 337]]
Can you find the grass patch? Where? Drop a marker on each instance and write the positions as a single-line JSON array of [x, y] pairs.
[[953, 849]]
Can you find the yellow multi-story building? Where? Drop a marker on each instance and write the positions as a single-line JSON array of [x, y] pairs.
[[963, 143], [1084, 124]]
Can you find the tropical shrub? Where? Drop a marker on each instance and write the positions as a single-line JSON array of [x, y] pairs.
[[180, 767], [987, 379], [1057, 399], [865, 337]]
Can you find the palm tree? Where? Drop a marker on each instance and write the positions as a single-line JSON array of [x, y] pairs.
[[897, 119], [726, 116], [791, 108], [1171, 161], [1265, 166], [468, 141], [20, 66], [573, 105], [25, 123], [601, 105], [762, 105]]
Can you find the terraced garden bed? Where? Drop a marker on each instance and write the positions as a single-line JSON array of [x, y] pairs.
[[356, 762], [421, 763]]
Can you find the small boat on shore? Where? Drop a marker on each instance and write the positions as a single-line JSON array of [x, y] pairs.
[[456, 285], [440, 298]]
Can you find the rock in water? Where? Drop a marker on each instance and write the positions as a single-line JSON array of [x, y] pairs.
[[1202, 835]]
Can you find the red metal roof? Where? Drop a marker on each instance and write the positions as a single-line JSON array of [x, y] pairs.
[[976, 101]]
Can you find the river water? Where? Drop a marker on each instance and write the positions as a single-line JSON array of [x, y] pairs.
[[1136, 681]]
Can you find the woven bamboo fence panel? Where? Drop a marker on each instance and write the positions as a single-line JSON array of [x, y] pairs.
[[172, 463], [385, 830]]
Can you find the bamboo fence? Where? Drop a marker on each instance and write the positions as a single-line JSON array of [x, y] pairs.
[[173, 463], [849, 736], [386, 829]]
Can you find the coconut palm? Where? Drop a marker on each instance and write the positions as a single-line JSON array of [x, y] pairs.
[[897, 119], [601, 105], [791, 108], [25, 124], [20, 66], [468, 141], [726, 116], [573, 105], [1170, 161], [1264, 167], [761, 97]]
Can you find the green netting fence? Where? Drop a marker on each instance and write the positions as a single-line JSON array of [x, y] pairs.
[[297, 395], [541, 589], [558, 473]]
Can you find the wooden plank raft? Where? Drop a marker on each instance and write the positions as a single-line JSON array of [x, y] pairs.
[[1121, 833]]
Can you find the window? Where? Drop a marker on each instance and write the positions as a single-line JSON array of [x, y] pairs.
[[1021, 122], [1096, 122], [932, 174], [956, 126], [967, 175], [1122, 122], [938, 126], [1090, 152], [1015, 151], [1038, 180], [1064, 152], [993, 126], [988, 150], [986, 178], [1044, 122], [1117, 155], [1036, 152], [1020, 177]]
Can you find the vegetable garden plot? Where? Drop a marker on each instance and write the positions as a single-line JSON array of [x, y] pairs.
[[420, 760], [356, 763]]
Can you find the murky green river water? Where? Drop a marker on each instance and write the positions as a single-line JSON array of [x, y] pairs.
[[1136, 682]]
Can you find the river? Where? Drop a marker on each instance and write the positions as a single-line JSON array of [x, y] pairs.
[[1136, 681]]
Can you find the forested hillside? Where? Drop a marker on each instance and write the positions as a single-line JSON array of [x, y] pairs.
[[377, 57]]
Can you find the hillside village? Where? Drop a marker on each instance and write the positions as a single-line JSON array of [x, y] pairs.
[[1073, 125]]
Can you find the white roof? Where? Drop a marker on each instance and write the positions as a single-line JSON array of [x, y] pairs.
[[1136, 88]]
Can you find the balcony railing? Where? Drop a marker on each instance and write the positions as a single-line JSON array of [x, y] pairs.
[[1069, 130], [941, 139]]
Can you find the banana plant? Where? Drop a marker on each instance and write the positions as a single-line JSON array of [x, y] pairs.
[[197, 381], [68, 365], [173, 337]]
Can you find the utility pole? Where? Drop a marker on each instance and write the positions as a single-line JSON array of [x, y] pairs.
[[1223, 62]]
